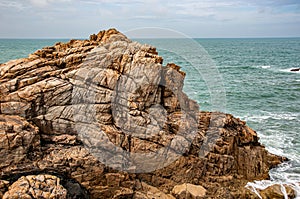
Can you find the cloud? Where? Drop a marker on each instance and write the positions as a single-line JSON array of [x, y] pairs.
[[12, 5], [235, 11], [113, 2], [43, 3], [275, 3], [145, 17], [62, 18]]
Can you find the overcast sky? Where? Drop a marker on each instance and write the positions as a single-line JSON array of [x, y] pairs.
[[196, 18]]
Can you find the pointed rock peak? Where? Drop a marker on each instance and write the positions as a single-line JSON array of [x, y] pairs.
[[105, 35]]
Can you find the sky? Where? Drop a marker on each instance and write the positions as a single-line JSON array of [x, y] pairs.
[[194, 18]]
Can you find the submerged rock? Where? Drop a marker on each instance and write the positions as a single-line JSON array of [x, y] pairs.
[[108, 116], [295, 69]]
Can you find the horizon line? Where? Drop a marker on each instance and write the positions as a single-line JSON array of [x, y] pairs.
[[81, 38]]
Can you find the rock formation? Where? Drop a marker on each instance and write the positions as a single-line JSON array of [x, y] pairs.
[[275, 191], [40, 186], [109, 120], [295, 69]]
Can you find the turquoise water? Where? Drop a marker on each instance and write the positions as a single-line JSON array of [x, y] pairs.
[[253, 82], [19, 48], [261, 90]]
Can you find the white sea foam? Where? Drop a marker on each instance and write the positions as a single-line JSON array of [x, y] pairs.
[[262, 66], [268, 115], [265, 67], [274, 150], [274, 139]]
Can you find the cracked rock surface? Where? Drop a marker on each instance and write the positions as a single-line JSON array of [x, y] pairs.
[[40, 186], [88, 119]]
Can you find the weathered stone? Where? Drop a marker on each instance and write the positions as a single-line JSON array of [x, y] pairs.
[[189, 191], [62, 104], [277, 191], [40, 186], [3, 187], [150, 192], [19, 141]]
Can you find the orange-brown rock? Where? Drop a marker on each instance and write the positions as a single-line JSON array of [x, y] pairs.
[[189, 191], [64, 103], [277, 191], [40, 186]]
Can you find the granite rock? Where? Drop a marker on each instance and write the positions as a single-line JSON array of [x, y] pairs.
[[77, 109], [39, 186], [189, 191]]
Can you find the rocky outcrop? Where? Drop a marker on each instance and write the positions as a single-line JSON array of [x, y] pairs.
[[111, 121]]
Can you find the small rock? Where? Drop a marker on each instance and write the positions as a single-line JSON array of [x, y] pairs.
[[295, 69], [274, 191], [114, 179], [151, 192], [189, 191]]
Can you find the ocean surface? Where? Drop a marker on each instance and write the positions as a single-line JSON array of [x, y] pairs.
[[249, 78]]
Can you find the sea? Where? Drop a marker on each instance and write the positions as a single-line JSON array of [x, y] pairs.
[[250, 78]]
